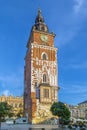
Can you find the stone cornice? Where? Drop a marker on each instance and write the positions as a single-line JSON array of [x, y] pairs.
[[43, 46], [42, 32]]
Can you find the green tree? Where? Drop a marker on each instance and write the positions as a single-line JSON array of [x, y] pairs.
[[5, 110], [59, 109], [20, 113]]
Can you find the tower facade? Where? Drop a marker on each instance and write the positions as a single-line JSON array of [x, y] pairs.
[[40, 73]]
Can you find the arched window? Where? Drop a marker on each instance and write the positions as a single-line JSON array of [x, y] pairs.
[[44, 56], [44, 78]]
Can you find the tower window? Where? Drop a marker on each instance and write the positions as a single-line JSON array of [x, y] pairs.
[[44, 78], [44, 57], [42, 28], [46, 93]]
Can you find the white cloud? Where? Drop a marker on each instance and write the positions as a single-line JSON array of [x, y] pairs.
[[6, 93], [14, 78], [73, 93], [74, 65], [73, 23], [12, 82], [78, 5], [75, 89]]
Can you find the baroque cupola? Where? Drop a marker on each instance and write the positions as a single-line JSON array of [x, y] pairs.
[[39, 23]]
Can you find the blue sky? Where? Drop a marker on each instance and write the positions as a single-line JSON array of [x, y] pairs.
[[68, 20]]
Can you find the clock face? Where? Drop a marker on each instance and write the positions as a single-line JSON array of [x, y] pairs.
[[44, 38]]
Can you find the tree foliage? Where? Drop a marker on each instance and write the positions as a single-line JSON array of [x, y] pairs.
[[20, 113], [5, 110], [59, 109]]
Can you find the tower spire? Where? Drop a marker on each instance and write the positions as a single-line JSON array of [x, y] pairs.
[[39, 12], [39, 22], [39, 18]]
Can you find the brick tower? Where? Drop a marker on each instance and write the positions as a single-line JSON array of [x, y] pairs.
[[40, 73]]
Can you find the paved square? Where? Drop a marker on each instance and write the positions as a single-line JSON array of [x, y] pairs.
[[28, 127]]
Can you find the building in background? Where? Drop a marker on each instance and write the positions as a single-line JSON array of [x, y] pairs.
[[40, 73], [83, 109], [74, 110], [79, 111], [15, 102]]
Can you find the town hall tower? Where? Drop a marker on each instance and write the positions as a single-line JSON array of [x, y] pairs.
[[40, 73]]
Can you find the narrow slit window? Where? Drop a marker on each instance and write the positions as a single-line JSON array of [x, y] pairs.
[[44, 78]]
